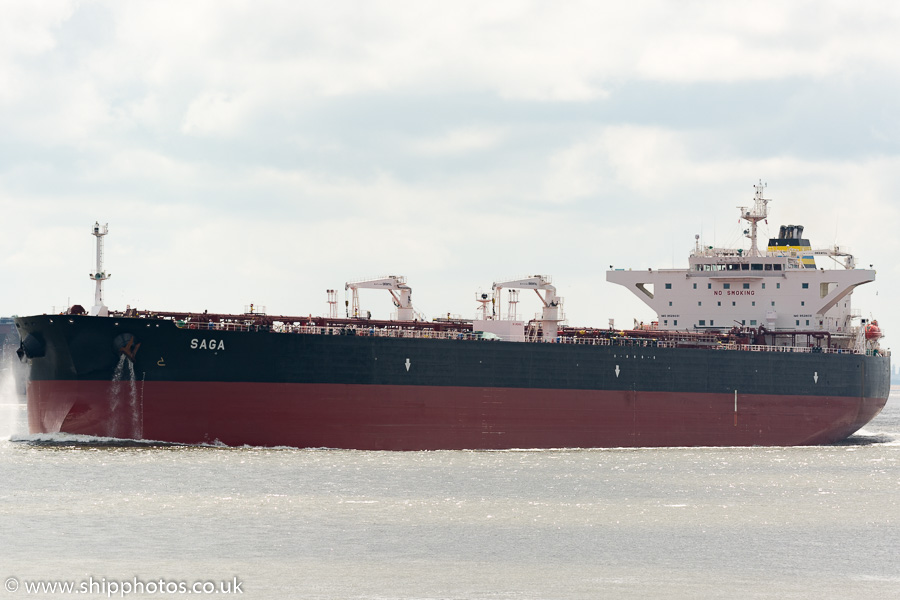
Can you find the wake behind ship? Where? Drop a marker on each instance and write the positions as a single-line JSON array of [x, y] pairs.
[[750, 348]]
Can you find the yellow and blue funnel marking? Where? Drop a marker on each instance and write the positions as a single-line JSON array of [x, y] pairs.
[[790, 239]]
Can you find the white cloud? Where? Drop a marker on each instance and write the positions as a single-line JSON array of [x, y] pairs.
[[30, 28], [215, 114], [460, 141], [218, 65]]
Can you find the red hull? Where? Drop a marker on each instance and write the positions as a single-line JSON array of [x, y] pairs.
[[387, 417]]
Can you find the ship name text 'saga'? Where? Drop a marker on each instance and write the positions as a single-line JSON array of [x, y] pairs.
[[207, 344]]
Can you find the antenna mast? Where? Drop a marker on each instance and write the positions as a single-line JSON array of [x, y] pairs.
[[754, 216], [99, 276]]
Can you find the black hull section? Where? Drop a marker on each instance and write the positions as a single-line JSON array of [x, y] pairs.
[[85, 348]]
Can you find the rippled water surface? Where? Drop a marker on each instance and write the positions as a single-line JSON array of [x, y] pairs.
[[677, 523]]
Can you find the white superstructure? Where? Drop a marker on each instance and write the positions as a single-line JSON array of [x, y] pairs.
[[780, 289]]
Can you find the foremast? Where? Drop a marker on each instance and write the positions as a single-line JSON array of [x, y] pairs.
[[99, 276]]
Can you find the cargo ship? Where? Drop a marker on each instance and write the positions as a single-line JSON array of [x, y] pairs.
[[749, 348]]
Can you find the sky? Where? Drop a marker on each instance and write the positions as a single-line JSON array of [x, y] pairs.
[[263, 152]]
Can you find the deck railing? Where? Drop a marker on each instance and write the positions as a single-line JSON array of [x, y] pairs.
[[399, 332]]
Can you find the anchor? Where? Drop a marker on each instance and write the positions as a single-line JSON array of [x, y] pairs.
[[129, 349]]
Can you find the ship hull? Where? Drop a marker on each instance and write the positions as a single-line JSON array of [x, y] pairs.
[[371, 393], [429, 418]]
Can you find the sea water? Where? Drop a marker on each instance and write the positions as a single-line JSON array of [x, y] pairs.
[[112, 519]]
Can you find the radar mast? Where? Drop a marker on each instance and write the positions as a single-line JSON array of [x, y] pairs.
[[754, 216]]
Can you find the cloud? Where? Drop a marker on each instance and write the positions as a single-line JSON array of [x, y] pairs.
[[245, 152], [29, 29], [460, 141], [215, 114]]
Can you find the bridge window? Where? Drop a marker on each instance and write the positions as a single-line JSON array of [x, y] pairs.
[[768, 267], [776, 267], [756, 267]]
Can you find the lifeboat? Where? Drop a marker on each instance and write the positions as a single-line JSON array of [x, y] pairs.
[[873, 331]]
